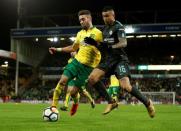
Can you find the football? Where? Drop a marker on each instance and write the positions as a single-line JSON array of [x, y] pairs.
[[50, 114]]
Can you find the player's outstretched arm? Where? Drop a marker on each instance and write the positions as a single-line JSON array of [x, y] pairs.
[[66, 49]]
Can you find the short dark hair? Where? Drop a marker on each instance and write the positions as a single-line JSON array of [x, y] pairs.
[[107, 8], [84, 12]]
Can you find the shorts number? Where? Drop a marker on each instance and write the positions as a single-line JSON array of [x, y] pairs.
[[122, 69]]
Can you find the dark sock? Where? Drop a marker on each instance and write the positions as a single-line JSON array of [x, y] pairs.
[[101, 89], [135, 92]]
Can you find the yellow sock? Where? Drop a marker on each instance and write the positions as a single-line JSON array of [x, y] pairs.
[[56, 95], [87, 94], [78, 96], [67, 99]]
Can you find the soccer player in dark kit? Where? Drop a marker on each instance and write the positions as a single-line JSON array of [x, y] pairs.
[[115, 60]]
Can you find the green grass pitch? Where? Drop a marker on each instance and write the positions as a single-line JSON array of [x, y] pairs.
[[28, 117]]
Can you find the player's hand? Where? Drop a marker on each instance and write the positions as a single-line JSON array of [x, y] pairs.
[[52, 50], [90, 41]]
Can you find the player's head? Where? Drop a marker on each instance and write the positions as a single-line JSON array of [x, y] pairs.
[[85, 19], [108, 15]]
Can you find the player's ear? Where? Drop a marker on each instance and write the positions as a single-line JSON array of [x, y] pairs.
[[89, 17], [113, 13]]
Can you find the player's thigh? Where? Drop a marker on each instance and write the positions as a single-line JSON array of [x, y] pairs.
[[71, 83], [124, 75], [80, 82], [125, 83], [82, 76], [96, 75], [71, 70], [73, 90], [76, 85], [122, 70]]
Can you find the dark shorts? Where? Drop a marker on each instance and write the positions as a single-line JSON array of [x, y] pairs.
[[115, 66]]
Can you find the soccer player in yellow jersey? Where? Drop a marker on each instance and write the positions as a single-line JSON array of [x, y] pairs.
[[114, 87], [87, 58]]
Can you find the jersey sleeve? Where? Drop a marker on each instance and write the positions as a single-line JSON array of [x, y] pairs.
[[121, 32]]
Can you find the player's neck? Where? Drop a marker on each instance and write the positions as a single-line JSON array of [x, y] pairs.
[[90, 27]]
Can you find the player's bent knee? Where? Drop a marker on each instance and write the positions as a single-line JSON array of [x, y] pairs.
[[92, 80], [69, 89], [125, 84], [63, 82], [127, 88], [73, 91], [74, 94]]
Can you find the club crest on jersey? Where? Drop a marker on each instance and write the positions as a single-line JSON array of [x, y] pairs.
[[92, 36], [110, 32]]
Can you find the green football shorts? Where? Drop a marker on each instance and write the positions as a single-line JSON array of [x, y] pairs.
[[113, 90], [77, 73]]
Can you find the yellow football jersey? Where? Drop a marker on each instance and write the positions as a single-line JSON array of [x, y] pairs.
[[88, 55], [114, 81]]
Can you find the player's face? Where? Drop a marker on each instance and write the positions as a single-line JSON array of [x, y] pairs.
[[85, 21], [108, 17]]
